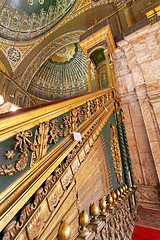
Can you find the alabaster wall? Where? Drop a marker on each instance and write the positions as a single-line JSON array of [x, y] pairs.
[[137, 73]]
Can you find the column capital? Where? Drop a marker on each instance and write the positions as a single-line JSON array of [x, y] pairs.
[[88, 61], [106, 52]]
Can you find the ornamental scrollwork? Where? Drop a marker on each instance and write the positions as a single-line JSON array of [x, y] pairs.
[[40, 142], [116, 155], [46, 133], [34, 25], [24, 145]]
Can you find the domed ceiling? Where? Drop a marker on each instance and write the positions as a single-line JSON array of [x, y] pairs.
[[64, 74], [31, 6], [26, 19]]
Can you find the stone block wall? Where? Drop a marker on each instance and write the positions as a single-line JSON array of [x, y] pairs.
[[137, 72]]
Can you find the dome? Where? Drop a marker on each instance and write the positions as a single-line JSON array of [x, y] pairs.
[[64, 74], [27, 19]]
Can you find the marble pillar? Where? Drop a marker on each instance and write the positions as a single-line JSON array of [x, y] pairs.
[[137, 72], [108, 68]]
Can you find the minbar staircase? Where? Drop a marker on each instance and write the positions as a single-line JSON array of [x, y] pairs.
[[53, 185]]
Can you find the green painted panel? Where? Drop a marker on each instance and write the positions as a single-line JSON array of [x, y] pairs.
[[8, 145], [106, 135], [97, 57], [102, 76], [104, 80], [6, 181]]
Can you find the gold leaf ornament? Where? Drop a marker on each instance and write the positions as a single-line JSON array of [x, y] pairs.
[[116, 155]]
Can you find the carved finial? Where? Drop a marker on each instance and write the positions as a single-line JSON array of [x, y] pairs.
[[64, 231], [114, 197], [95, 213], [104, 215], [122, 192], [84, 220], [94, 210], [103, 205], [110, 200], [118, 195]]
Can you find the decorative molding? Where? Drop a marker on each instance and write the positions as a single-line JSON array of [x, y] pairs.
[[49, 133], [29, 27], [34, 215], [40, 143], [46, 52], [24, 145], [116, 155]]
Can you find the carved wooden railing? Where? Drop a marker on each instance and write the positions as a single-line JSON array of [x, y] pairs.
[[113, 220], [48, 161]]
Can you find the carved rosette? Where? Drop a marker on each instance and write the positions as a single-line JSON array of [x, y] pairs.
[[116, 155]]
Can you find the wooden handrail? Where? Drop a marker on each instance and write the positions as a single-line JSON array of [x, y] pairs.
[[14, 197], [23, 119]]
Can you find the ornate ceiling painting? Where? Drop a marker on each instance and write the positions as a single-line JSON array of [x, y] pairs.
[[64, 74], [26, 19], [26, 23]]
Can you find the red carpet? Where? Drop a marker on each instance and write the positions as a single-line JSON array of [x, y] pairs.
[[147, 225]]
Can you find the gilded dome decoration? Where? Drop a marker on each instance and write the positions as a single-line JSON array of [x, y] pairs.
[[65, 54], [31, 18], [64, 74]]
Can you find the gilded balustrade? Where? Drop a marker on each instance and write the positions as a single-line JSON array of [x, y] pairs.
[[117, 225], [54, 169]]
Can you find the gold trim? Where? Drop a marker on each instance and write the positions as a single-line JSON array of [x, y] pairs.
[[21, 121], [15, 196]]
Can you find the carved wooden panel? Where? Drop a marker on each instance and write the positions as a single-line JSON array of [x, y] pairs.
[[94, 136], [66, 179], [81, 155], [34, 226], [55, 195], [86, 147], [91, 141], [66, 210], [44, 210], [23, 235], [75, 165], [91, 177]]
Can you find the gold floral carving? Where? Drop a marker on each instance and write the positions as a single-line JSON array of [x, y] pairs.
[[76, 117], [40, 143], [49, 133], [35, 215], [9, 154], [116, 155], [24, 145]]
